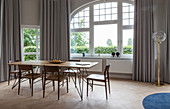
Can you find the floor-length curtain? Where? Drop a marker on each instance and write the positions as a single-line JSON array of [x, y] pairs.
[[10, 47], [54, 27], [165, 54], [143, 52]]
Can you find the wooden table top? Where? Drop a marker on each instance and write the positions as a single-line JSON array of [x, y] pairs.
[[67, 64]]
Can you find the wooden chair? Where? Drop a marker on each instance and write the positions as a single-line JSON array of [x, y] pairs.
[[30, 75], [73, 72], [13, 73], [51, 73], [101, 78]]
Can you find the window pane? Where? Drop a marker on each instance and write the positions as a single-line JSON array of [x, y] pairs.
[[29, 57], [96, 18], [102, 18], [30, 44], [127, 41], [108, 5], [105, 38], [125, 15], [132, 8], [79, 20], [114, 16], [104, 10], [96, 6], [102, 5], [132, 15], [108, 17], [29, 37], [96, 12], [108, 11], [128, 14], [114, 4], [126, 22], [125, 9], [114, 10], [131, 21], [80, 42]]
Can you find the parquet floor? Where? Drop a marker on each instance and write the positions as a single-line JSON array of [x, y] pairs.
[[125, 94]]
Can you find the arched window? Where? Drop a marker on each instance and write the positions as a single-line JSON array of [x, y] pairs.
[[103, 27]]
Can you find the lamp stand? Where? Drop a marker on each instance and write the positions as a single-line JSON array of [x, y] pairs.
[[158, 83]]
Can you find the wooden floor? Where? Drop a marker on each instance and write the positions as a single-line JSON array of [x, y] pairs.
[[125, 94]]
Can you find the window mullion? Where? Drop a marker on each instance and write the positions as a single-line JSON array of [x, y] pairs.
[[22, 43], [37, 43], [120, 49], [91, 48]]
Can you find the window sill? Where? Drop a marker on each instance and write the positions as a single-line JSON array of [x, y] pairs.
[[103, 57]]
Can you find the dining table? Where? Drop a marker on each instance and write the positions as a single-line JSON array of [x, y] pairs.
[[81, 66]]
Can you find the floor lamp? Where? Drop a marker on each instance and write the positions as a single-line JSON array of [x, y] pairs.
[[158, 38]]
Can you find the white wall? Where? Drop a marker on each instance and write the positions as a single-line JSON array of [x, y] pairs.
[[30, 12], [119, 68], [77, 3]]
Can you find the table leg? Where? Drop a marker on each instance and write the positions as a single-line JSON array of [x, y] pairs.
[[58, 83], [82, 85]]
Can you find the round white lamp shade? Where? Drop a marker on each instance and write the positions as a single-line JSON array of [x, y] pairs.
[[159, 36]]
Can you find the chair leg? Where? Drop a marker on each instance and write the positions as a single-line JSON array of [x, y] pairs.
[[109, 85], [58, 90], [42, 82], [19, 84], [87, 86], [106, 89], [9, 78], [75, 79], [53, 85], [67, 85], [15, 76], [58, 83], [44, 89], [92, 85], [69, 77], [32, 82]]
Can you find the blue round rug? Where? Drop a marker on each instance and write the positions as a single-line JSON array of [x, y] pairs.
[[157, 101]]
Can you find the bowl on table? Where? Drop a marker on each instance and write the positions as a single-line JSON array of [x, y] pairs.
[[54, 61]]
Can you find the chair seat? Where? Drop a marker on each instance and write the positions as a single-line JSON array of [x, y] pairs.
[[29, 76], [71, 71], [96, 77], [55, 77]]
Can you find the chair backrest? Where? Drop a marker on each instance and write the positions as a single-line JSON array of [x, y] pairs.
[[50, 69], [13, 61], [10, 61], [26, 68], [106, 71]]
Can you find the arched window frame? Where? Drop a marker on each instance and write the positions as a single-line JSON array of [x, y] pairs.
[[119, 22]]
